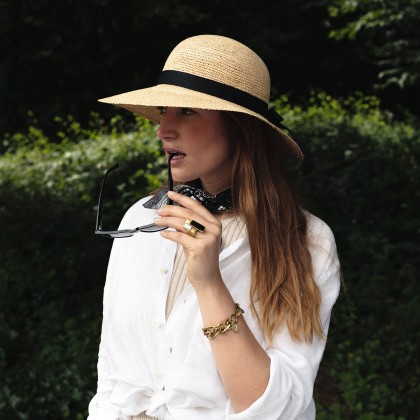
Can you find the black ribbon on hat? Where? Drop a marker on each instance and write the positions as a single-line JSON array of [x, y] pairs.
[[239, 97], [308, 163]]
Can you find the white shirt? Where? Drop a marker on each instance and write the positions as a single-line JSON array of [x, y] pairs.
[[165, 366]]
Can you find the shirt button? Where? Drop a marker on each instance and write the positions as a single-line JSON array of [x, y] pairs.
[[163, 270], [157, 324]]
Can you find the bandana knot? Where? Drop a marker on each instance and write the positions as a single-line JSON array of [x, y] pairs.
[[215, 203]]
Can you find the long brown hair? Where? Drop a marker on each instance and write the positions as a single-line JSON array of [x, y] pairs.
[[283, 290]]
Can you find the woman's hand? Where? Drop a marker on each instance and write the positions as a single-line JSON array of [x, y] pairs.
[[202, 250], [246, 377]]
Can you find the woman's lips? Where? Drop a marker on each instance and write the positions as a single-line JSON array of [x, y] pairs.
[[176, 156]]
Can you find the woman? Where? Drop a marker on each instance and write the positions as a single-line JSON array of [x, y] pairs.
[[224, 315]]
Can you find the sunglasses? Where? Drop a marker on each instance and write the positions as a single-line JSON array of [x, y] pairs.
[[126, 233]]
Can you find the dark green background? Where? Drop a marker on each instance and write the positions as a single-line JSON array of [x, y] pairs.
[[58, 58]]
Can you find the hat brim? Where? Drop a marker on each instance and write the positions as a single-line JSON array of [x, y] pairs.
[[145, 102]]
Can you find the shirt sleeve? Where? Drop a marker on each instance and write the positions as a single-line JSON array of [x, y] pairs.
[[100, 407], [294, 365]]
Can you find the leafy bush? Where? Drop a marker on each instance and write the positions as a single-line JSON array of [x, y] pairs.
[[52, 273], [366, 187], [53, 268]]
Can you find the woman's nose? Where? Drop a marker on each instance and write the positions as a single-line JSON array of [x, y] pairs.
[[167, 126]]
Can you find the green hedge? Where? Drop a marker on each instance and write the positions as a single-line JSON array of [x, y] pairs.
[[53, 268]]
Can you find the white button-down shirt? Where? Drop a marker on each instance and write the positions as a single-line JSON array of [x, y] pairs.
[[165, 367]]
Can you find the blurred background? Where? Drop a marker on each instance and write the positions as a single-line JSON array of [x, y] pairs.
[[345, 75]]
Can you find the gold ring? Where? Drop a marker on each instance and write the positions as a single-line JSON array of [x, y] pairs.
[[192, 231], [192, 227], [187, 225]]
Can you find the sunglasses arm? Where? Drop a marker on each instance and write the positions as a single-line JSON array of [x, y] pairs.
[[101, 199]]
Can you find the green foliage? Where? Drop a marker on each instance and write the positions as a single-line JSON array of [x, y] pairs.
[[389, 30], [60, 58], [366, 187], [53, 267]]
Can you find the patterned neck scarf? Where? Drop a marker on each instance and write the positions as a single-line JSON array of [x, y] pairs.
[[214, 203]]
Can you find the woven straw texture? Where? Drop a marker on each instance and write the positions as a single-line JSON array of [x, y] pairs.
[[213, 57]]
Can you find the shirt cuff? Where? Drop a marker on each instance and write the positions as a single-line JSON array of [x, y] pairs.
[[284, 398], [99, 412]]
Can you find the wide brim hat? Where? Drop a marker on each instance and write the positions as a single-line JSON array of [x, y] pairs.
[[215, 73]]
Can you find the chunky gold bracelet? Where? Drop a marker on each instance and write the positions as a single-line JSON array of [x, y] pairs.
[[230, 324]]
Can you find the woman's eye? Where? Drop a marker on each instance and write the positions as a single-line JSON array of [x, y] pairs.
[[162, 109], [187, 111]]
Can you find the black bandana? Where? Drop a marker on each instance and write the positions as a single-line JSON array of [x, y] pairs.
[[214, 203]]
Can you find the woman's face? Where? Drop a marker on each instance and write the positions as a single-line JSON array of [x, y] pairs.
[[200, 138]]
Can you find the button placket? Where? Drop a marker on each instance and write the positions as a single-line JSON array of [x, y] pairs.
[[159, 325], [160, 373]]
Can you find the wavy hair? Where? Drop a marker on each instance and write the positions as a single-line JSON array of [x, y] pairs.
[[283, 290]]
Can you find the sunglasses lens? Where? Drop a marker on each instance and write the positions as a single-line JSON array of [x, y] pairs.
[[152, 228], [115, 233], [121, 234]]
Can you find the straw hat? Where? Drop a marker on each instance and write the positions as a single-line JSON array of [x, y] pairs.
[[210, 72]]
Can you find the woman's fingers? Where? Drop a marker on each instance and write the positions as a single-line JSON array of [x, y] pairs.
[[201, 249], [191, 205], [184, 225], [189, 210]]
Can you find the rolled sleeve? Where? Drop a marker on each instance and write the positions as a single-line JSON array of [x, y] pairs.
[[289, 391]]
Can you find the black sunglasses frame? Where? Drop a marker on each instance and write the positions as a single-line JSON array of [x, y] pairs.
[[126, 233]]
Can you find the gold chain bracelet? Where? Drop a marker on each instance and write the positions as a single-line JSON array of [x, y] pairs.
[[230, 324]]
